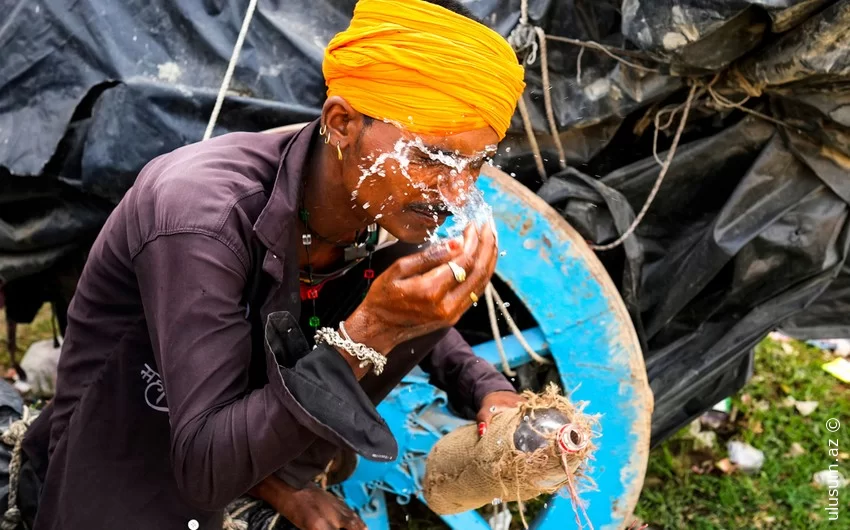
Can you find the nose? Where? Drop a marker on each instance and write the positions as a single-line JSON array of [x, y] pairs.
[[456, 186]]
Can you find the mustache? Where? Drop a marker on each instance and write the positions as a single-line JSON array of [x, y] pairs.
[[433, 207]]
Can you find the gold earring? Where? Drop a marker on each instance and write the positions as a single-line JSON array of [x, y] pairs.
[[323, 129], [328, 138], [338, 151]]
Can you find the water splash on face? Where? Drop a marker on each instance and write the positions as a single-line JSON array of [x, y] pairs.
[[462, 199], [473, 210]]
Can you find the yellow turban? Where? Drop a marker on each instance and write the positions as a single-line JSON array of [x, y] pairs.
[[425, 67]]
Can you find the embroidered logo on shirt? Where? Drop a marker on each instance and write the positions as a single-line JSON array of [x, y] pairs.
[[154, 392]]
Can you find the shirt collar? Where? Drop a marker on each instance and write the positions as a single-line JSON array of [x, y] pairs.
[[275, 224]]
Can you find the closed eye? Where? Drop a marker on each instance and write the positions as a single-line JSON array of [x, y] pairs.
[[425, 160]]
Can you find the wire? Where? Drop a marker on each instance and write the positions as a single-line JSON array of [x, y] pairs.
[[231, 66]]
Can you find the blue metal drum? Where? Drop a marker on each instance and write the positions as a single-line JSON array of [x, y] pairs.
[[582, 325]]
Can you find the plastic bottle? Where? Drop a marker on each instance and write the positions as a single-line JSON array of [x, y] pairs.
[[535, 432]]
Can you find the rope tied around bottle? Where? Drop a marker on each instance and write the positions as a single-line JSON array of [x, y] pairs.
[[465, 471]]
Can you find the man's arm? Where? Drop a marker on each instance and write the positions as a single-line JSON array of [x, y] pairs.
[[465, 377], [224, 439]]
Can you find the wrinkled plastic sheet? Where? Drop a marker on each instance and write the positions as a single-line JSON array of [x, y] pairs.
[[748, 231]]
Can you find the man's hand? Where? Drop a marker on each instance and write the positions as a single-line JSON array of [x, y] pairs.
[[493, 403], [310, 508], [419, 294]]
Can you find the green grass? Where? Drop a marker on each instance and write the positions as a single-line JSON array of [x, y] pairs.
[[26, 334], [676, 497], [781, 495]]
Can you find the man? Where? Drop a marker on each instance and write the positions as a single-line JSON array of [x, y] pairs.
[[187, 376]]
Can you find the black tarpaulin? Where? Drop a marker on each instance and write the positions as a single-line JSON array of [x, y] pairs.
[[749, 230]]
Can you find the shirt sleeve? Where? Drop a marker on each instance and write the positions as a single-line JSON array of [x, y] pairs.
[[226, 438], [465, 377]]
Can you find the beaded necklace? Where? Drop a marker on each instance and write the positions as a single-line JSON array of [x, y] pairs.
[[356, 253]]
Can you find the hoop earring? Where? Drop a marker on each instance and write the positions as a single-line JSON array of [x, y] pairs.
[[338, 151], [328, 138], [323, 129]]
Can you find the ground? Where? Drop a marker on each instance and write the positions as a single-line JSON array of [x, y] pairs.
[[781, 495], [685, 488], [27, 334]]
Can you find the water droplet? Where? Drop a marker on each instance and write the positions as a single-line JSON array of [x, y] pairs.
[[513, 175], [506, 305], [503, 253], [365, 205]]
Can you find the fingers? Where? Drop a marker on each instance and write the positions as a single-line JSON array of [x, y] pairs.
[[346, 517], [437, 282], [483, 418], [471, 248], [480, 276], [428, 259], [442, 278], [349, 520], [479, 259], [355, 523]]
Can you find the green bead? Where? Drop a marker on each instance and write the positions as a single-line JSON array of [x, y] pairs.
[[314, 321], [304, 214]]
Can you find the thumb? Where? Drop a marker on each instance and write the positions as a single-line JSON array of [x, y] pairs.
[[483, 418]]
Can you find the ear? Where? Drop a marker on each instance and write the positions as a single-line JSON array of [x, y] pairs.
[[343, 122]]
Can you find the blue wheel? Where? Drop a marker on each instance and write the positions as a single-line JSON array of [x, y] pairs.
[[582, 325]]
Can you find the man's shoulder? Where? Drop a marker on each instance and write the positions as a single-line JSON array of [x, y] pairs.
[[197, 187], [234, 163]]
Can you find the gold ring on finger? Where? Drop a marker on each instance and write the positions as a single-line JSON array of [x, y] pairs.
[[474, 298], [458, 271]]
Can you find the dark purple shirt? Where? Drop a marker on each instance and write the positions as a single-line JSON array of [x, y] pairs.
[[185, 378]]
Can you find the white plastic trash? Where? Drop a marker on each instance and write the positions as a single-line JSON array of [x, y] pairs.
[[746, 457], [831, 479], [40, 363]]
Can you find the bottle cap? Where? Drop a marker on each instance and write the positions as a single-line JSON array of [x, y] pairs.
[[571, 439]]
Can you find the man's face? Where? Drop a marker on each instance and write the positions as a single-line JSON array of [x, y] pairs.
[[408, 182]]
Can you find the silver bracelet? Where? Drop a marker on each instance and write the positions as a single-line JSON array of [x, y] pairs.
[[363, 353]]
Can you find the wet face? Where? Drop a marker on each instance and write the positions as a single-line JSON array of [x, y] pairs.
[[409, 182]]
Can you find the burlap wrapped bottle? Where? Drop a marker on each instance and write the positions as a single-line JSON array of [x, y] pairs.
[[465, 472]]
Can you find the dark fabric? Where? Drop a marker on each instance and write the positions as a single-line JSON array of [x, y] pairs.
[[327, 392], [171, 400], [11, 408]]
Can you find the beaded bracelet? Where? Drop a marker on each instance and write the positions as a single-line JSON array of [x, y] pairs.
[[363, 353]]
